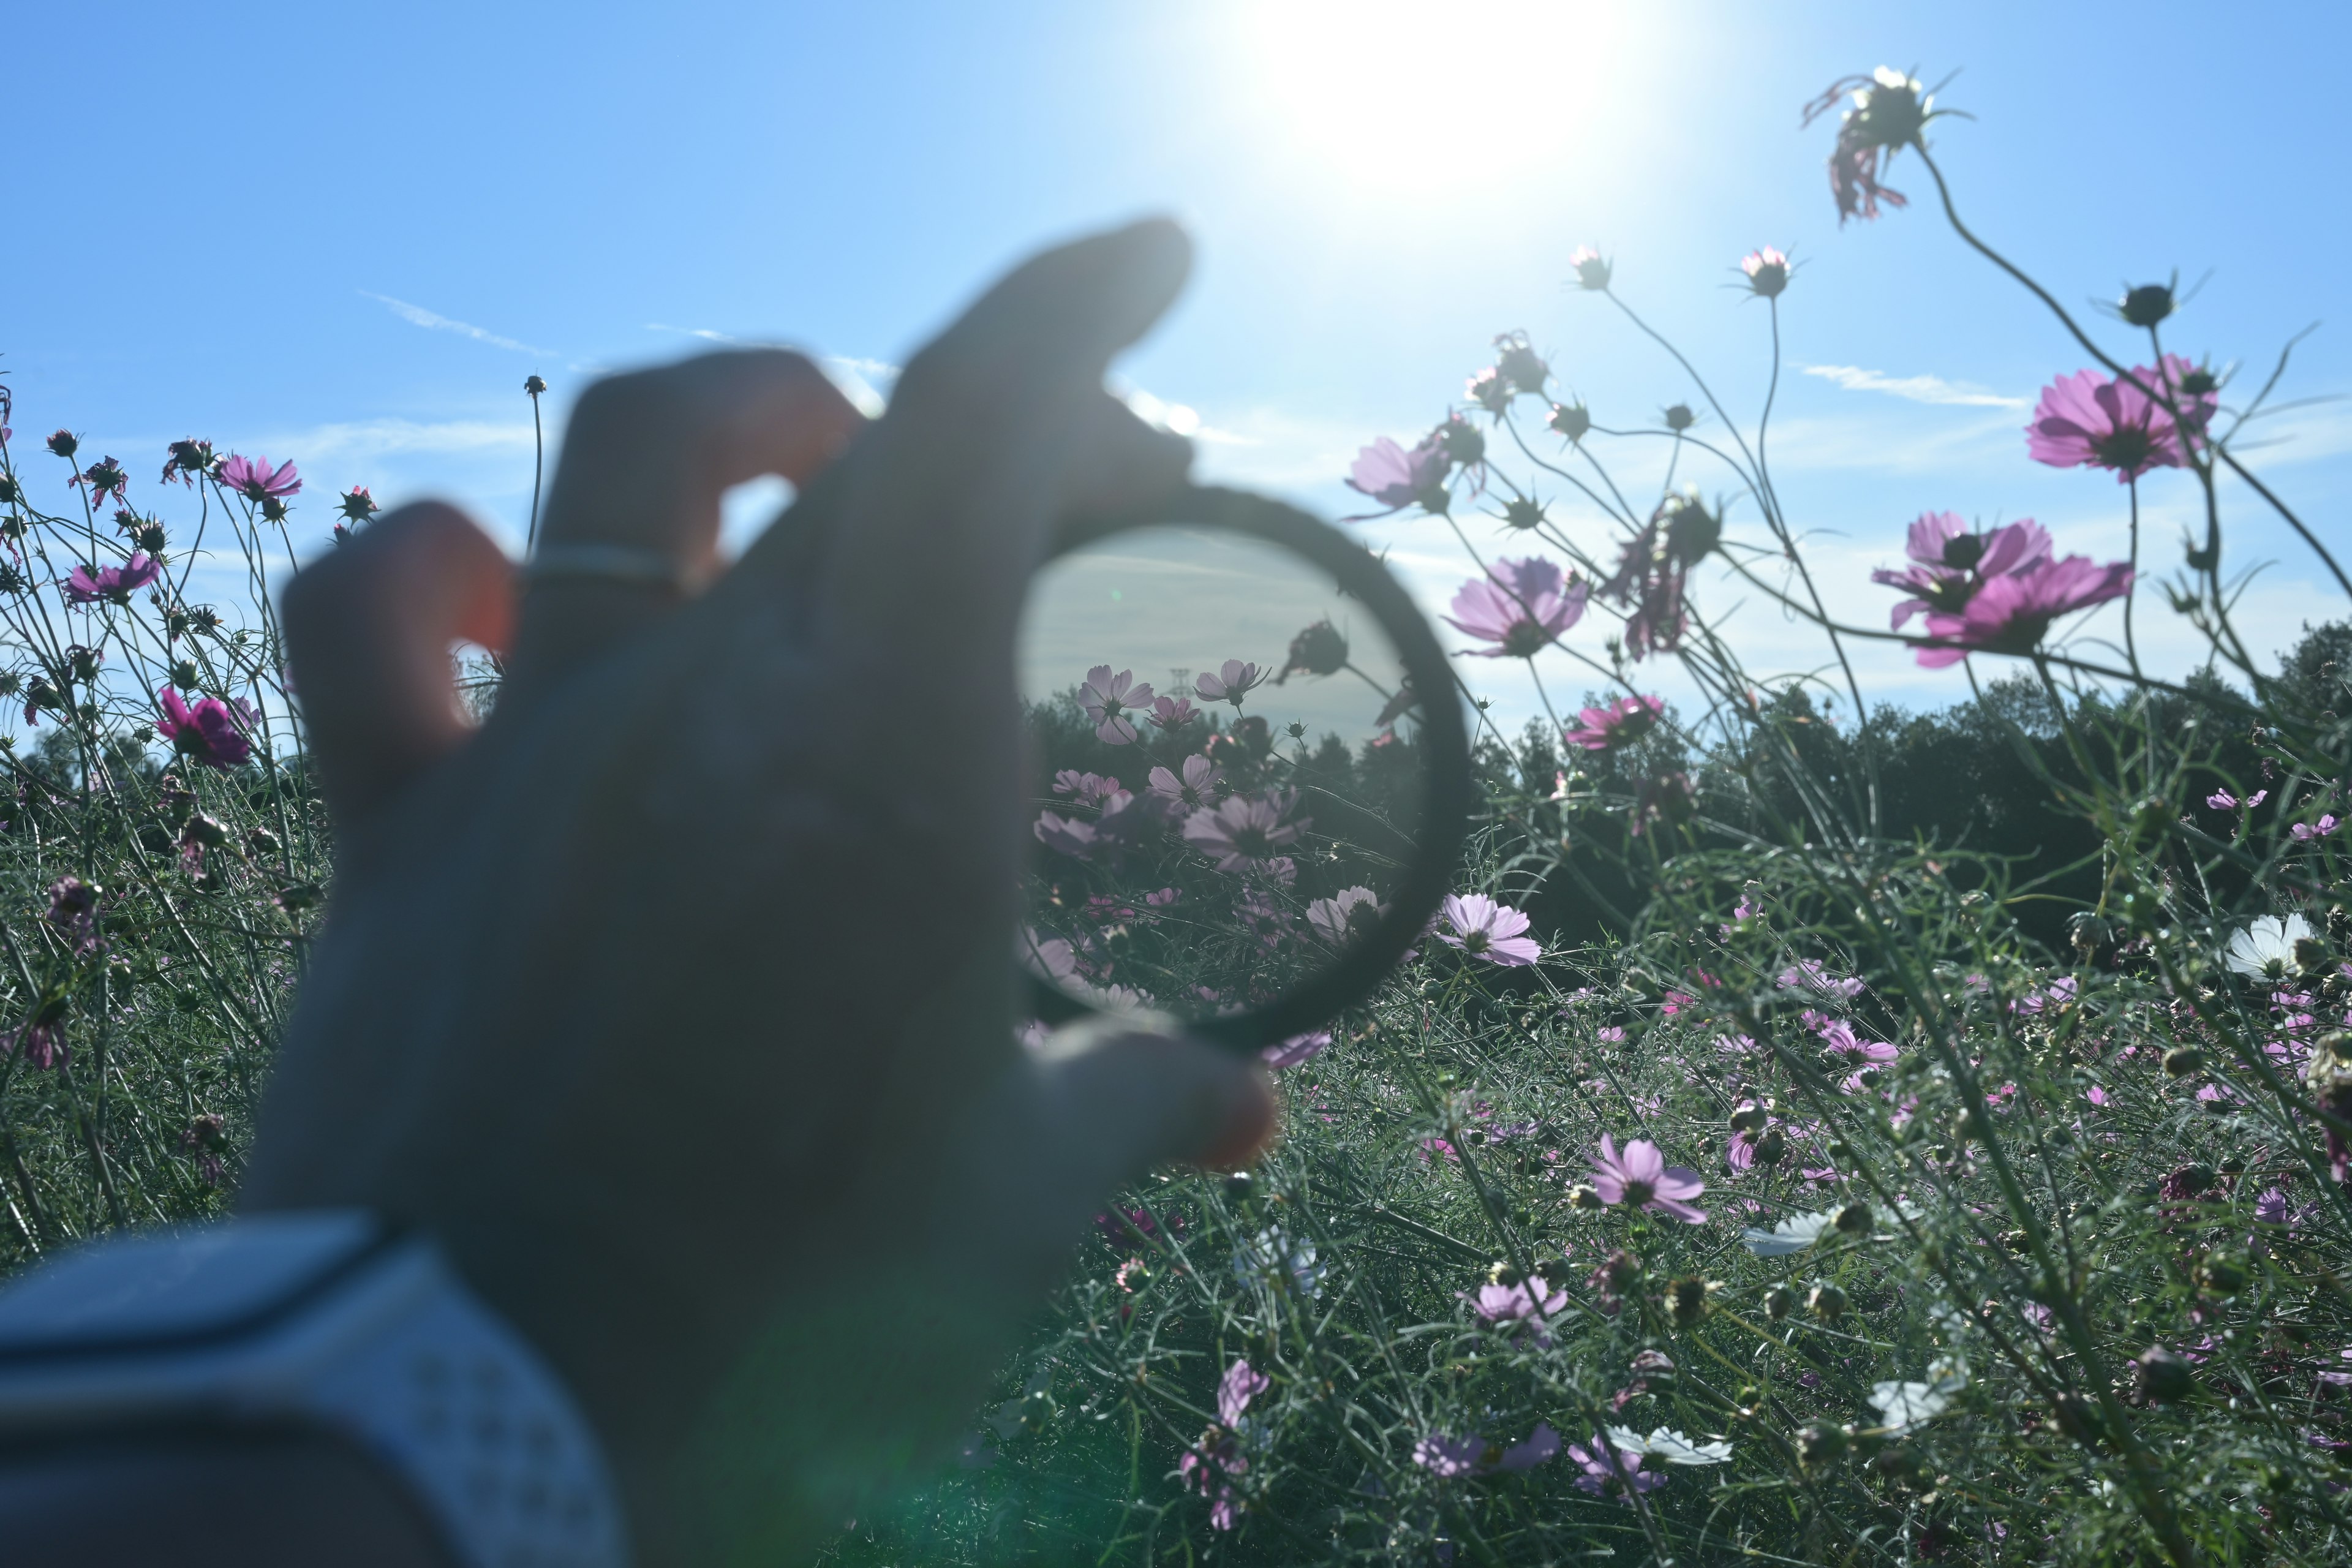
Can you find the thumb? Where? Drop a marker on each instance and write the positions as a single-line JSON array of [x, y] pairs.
[[1122, 1099]]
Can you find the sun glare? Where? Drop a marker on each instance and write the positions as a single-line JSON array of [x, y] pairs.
[[1419, 99]]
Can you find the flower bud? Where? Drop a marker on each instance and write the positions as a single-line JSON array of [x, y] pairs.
[[2310, 955], [1320, 650], [2182, 1061], [65, 443], [1523, 513], [1821, 1443], [1748, 1119], [1686, 1300], [533, 385], [1679, 418], [2147, 305], [1592, 272], [1772, 1147], [1572, 420], [1855, 1219], [2222, 1273], [2162, 1377], [300, 896], [1779, 1302], [1583, 1196], [1520, 364], [1827, 1302]]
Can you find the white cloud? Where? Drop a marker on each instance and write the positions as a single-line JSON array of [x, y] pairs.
[[418, 316], [370, 440], [1914, 388]]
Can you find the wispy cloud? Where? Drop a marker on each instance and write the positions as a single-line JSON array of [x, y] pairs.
[[705, 334], [372, 440], [418, 316], [1915, 388]]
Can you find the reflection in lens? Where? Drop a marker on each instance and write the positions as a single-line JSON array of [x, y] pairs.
[[1228, 776]]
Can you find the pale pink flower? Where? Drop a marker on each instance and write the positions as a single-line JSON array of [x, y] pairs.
[[1346, 913], [1106, 698], [2307, 831], [1242, 832], [1236, 1389], [1171, 712], [1071, 836], [1396, 477], [1621, 723], [2223, 800], [1601, 1479], [1520, 607], [1489, 930], [1449, 1458], [1767, 271], [2087, 420], [1641, 1178], [1235, 679], [1529, 1299], [1193, 789]]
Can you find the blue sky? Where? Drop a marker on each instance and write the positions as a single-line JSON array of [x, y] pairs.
[[344, 235]]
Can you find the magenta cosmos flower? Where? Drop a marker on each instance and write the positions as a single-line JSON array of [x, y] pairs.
[[2087, 420], [2011, 613], [1396, 477], [1640, 1177], [115, 582], [210, 732], [1520, 607], [1484, 929], [1235, 679], [1621, 723], [1243, 832], [254, 479], [1950, 563], [1107, 697]]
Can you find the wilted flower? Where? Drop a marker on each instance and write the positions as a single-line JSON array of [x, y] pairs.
[[190, 460], [1491, 391], [1519, 365], [1620, 724], [1193, 789], [1317, 650], [2223, 800], [254, 479], [1520, 607], [115, 583], [2011, 613], [1890, 110], [1950, 564], [210, 732], [1397, 478], [105, 477], [1641, 1178], [1573, 420], [1234, 681], [2305, 832], [1592, 272], [1767, 271], [1243, 832], [1652, 571], [73, 911], [1484, 929], [64, 443]]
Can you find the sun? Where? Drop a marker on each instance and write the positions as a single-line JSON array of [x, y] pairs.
[[1426, 103]]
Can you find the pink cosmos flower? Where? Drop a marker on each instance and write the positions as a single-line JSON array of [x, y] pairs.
[[105, 477], [1642, 1178], [1621, 723], [1487, 929], [2195, 390], [1244, 831], [212, 732], [1050, 957], [1838, 1036], [1236, 1389], [1106, 698], [1601, 1479], [1298, 1048], [1531, 1298], [114, 583], [1950, 564], [1191, 791], [1235, 679], [2011, 613], [2223, 800], [1520, 607], [2087, 420], [1449, 1458], [2306, 832], [1173, 713], [1348, 913], [1087, 789], [1396, 477], [1069, 835], [256, 481]]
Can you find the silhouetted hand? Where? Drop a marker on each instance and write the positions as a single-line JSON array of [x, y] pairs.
[[679, 1000]]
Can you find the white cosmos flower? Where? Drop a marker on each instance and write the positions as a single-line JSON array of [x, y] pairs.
[[2265, 949], [1907, 1405], [1671, 1446]]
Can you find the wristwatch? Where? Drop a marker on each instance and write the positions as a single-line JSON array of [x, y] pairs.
[[333, 1320]]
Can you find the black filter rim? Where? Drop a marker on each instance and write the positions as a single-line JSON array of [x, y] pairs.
[[1444, 745]]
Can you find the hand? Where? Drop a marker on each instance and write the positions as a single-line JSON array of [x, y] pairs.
[[679, 1000]]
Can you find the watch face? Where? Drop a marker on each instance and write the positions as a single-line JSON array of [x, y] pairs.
[[157, 1291]]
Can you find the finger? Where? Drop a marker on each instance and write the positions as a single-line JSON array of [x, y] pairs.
[[951, 498], [646, 458], [368, 629]]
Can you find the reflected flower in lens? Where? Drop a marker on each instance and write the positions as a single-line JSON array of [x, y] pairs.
[[1244, 832], [1235, 679], [1487, 929], [1106, 698], [1347, 914], [1520, 607]]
